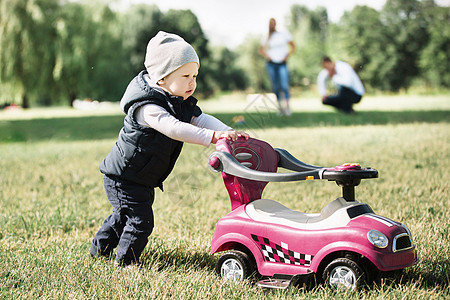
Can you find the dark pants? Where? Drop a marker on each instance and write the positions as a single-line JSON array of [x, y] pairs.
[[343, 100], [130, 224]]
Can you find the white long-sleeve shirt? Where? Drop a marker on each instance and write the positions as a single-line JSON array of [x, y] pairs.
[[345, 76], [199, 131]]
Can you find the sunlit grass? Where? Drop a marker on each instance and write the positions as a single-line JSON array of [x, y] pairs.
[[52, 202]]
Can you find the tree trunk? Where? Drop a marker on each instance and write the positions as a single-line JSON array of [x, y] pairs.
[[25, 101], [72, 97]]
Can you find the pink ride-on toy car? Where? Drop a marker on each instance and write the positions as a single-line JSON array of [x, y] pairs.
[[345, 245]]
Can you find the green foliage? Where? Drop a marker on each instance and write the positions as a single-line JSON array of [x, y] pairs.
[[108, 68], [309, 30], [52, 200], [360, 33], [26, 33], [89, 59], [434, 60], [404, 30], [226, 74], [253, 64], [393, 47], [52, 51], [83, 50], [140, 22]]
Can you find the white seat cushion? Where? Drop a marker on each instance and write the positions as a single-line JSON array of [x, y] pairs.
[[270, 211]]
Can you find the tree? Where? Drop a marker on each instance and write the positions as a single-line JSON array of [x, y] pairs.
[[434, 61], [253, 64], [225, 73], [309, 29], [26, 54], [405, 30], [140, 23], [361, 34], [108, 67], [392, 48], [75, 33]]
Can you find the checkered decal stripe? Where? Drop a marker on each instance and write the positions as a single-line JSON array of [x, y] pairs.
[[281, 253]]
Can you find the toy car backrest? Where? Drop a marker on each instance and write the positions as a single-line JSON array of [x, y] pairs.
[[254, 154]]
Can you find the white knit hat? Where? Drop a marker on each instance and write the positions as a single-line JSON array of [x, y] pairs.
[[167, 52]]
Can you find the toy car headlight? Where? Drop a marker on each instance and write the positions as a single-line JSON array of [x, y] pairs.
[[377, 239]]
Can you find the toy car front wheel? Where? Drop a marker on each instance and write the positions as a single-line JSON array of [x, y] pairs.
[[234, 266], [344, 273]]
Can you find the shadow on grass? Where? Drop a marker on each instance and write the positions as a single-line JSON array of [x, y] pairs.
[[61, 129], [435, 275], [179, 258], [157, 253], [107, 127]]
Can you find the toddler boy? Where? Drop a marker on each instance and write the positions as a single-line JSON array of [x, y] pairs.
[[161, 114]]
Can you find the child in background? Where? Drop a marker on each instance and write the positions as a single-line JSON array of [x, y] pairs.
[[161, 114]]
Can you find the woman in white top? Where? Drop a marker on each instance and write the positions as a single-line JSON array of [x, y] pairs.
[[276, 50]]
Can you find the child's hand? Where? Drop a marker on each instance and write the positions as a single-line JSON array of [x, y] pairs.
[[231, 135], [242, 134]]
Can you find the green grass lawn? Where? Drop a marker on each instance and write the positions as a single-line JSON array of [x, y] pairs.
[[52, 200]]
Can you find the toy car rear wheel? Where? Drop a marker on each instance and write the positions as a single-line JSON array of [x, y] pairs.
[[234, 266], [344, 273]]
